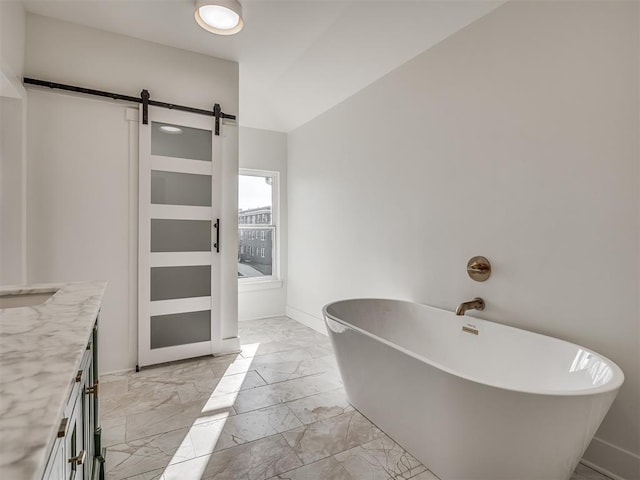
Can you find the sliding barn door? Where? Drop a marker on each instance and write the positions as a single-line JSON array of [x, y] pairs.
[[179, 260]]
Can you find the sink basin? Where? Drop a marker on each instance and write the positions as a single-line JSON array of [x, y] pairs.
[[24, 299]]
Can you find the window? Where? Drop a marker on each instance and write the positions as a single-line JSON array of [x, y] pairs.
[[257, 220]]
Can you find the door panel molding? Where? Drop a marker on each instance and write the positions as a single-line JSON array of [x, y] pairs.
[[179, 259], [179, 212], [181, 165], [179, 305]]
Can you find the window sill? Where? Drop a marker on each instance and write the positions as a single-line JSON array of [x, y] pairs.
[[255, 285]]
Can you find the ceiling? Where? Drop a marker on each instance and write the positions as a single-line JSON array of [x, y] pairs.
[[298, 58]]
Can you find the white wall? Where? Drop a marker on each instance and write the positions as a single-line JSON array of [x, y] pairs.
[[82, 185], [266, 150], [516, 139], [67, 53], [12, 191], [78, 209], [12, 37], [12, 144]]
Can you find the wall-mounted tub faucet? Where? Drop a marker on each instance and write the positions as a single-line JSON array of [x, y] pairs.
[[475, 304]]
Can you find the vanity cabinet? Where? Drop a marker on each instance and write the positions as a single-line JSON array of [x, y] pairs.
[[76, 452]]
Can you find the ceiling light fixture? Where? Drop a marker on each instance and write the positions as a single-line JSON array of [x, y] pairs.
[[223, 17], [170, 129]]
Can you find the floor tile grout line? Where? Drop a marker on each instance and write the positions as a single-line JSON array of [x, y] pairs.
[[248, 388], [285, 380], [222, 450], [255, 440], [332, 455], [283, 351], [292, 361], [241, 414], [253, 409], [295, 399], [265, 382], [168, 464], [328, 354], [222, 410], [427, 470], [296, 417]]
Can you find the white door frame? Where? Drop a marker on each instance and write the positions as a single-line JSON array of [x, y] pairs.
[[146, 259]]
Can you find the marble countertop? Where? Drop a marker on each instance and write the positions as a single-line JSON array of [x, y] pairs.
[[41, 348]]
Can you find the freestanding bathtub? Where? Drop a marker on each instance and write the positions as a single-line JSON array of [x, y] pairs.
[[502, 404]]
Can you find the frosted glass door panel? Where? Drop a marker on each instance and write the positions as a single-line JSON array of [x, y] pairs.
[[180, 235], [170, 188], [180, 329], [180, 142], [169, 283]]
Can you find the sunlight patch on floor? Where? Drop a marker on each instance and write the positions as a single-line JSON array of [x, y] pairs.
[[203, 435]]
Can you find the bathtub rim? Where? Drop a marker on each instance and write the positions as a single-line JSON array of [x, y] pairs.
[[613, 385]]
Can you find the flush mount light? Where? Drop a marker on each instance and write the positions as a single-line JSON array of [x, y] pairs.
[[170, 129], [223, 17]]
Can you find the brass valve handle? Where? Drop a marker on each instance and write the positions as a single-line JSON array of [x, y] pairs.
[[479, 269]]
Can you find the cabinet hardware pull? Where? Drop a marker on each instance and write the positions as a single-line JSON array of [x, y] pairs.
[[79, 460], [62, 429], [93, 389]]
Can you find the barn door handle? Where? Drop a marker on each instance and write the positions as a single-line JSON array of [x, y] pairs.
[[217, 227]]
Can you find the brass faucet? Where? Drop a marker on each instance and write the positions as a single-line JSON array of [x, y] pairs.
[[475, 304]]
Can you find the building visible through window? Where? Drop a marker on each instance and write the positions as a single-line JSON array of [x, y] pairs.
[[256, 225]]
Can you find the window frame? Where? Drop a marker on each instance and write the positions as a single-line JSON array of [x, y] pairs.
[[273, 280]]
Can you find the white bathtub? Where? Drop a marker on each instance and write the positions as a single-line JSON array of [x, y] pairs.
[[505, 404]]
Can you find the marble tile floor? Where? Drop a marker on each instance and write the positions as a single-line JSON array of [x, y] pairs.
[[276, 411]]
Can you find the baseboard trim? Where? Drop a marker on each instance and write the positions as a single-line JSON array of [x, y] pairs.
[[306, 319], [261, 317], [118, 372], [611, 460], [601, 470]]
